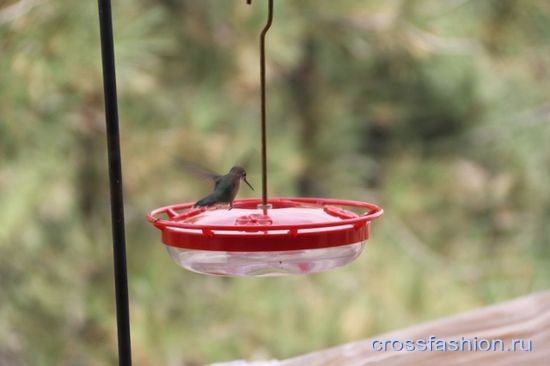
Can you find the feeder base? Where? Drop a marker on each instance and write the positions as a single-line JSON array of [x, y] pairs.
[[273, 263]]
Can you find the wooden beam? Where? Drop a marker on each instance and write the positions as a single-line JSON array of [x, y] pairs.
[[13, 11], [526, 318]]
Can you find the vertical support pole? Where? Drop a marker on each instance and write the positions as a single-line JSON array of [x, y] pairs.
[[115, 183]]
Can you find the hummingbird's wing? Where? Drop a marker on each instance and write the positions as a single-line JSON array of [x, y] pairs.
[[198, 170]]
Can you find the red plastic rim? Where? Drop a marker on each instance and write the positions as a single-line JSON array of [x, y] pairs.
[[290, 224]]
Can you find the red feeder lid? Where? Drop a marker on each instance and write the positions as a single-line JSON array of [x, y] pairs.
[[289, 224]]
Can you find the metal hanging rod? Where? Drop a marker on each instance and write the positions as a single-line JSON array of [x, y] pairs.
[[263, 100]]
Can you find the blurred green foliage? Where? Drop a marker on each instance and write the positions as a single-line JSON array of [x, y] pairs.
[[437, 110]]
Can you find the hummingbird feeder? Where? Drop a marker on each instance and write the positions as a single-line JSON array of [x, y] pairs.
[[293, 236], [265, 237]]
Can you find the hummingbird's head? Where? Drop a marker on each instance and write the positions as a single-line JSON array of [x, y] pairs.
[[241, 173]]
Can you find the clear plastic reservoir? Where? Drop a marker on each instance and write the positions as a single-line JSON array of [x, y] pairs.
[[273, 263]]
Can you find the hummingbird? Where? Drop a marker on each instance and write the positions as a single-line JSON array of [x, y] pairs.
[[226, 186]]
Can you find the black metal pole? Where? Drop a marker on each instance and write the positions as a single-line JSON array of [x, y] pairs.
[[115, 183]]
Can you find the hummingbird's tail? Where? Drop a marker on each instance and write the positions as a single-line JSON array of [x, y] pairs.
[[206, 201]]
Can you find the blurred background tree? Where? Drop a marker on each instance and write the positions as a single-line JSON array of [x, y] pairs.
[[437, 110]]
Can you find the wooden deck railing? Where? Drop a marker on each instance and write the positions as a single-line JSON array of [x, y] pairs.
[[526, 319]]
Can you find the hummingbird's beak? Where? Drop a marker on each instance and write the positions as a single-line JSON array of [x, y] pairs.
[[244, 178]]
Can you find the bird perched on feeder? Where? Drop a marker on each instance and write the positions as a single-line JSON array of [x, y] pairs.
[[226, 186]]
